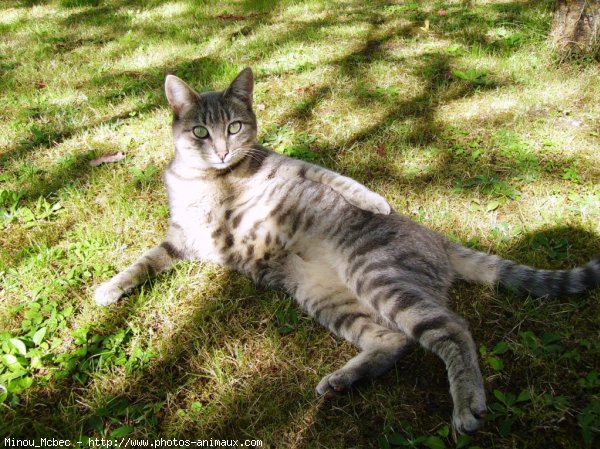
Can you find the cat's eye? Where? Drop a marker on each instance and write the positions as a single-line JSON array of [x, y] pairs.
[[200, 132], [234, 127]]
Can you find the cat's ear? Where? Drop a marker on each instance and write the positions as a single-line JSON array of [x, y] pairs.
[[242, 86], [181, 97]]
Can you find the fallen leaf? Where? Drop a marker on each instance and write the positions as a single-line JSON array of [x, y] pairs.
[[106, 158], [236, 17], [380, 149], [306, 89], [492, 206], [39, 84], [425, 26]]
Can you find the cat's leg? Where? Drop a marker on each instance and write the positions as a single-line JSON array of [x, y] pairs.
[[447, 335], [425, 319], [380, 347], [352, 191], [324, 297], [156, 260]]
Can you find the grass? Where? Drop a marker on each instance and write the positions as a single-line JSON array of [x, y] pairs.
[[464, 121]]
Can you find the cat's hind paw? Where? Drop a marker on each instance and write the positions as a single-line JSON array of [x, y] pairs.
[[470, 418], [107, 294]]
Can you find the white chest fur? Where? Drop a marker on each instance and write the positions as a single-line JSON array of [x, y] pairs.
[[194, 206]]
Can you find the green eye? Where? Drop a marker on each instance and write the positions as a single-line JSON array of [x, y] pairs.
[[200, 132], [234, 127]]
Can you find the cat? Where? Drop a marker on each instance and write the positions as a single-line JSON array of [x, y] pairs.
[[367, 273]]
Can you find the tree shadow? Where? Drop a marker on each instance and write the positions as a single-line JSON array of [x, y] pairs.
[[440, 87], [554, 247], [179, 367], [433, 67], [273, 398], [77, 168]]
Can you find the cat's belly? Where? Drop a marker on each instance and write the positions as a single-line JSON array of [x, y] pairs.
[[250, 233], [200, 246], [270, 254], [230, 237]]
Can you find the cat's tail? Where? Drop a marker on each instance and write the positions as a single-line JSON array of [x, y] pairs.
[[483, 268]]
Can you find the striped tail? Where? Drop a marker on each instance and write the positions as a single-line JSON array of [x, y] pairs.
[[479, 267]]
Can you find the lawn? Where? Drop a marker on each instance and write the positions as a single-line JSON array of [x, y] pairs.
[[456, 111]]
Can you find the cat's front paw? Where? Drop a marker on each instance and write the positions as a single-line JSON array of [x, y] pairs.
[[373, 202], [338, 381], [107, 293]]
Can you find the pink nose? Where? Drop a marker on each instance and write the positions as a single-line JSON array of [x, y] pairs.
[[223, 155]]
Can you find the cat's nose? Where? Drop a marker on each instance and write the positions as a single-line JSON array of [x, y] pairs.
[[222, 155]]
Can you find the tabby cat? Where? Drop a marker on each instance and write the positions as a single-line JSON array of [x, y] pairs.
[[370, 275]]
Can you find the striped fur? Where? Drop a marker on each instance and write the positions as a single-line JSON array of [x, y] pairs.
[[487, 269], [369, 275]]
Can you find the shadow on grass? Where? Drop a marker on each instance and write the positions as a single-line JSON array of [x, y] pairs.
[[77, 169], [555, 247], [264, 394], [270, 398], [146, 84], [171, 377], [439, 87]]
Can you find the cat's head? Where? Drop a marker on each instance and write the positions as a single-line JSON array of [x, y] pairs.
[[212, 130]]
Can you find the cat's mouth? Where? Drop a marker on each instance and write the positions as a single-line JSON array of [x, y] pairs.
[[230, 159], [222, 165]]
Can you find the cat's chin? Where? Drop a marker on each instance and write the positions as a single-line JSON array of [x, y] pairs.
[[221, 166], [203, 164]]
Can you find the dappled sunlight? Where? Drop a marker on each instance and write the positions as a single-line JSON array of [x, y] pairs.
[[224, 366], [152, 56], [169, 10], [11, 15], [312, 11], [552, 94], [483, 107]]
